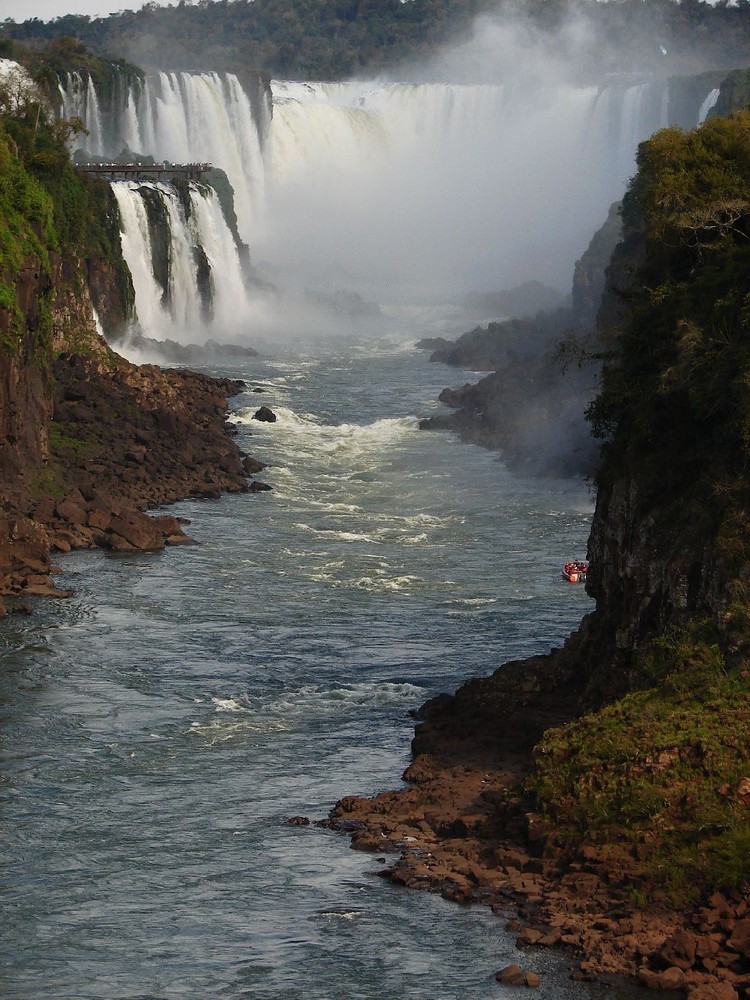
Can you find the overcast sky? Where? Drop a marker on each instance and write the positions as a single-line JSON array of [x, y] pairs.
[[22, 10]]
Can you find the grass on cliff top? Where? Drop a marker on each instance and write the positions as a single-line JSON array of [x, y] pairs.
[[664, 772]]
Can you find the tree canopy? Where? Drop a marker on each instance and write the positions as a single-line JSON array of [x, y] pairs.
[[333, 39]]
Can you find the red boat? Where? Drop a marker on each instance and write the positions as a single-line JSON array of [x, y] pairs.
[[576, 571]]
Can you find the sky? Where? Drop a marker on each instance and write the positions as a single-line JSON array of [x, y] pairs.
[[22, 10]]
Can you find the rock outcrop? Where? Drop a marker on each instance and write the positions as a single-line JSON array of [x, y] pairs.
[[88, 441], [601, 793], [544, 370]]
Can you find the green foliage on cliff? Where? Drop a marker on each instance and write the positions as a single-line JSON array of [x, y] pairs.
[[675, 402], [661, 774], [64, 55], [46, 206], [26, 230]]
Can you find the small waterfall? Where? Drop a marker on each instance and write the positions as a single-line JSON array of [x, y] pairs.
[[196, 117], [193, 278], [79, 99], [708, 104]]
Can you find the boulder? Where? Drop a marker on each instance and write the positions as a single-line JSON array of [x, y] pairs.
[[713, 991], [251, 465], [511, 975], [266, 414], [740, 938], [138, 530]]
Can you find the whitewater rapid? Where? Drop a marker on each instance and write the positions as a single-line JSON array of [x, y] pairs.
[[161, 726]]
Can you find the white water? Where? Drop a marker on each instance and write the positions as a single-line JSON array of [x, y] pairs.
[[80, 100], [177, 312], [199, 117], [409, 195], [708, 104], [161, 725], [424, 192]]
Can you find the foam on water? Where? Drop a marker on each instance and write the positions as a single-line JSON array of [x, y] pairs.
[[169, 718]]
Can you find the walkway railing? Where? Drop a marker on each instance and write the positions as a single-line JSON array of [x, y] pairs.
[[145, 171]]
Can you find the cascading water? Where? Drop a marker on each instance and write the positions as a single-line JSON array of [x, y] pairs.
[[204, 117], [80, 100], [708, 104], [401, 194], [176, 298], [453, 187]]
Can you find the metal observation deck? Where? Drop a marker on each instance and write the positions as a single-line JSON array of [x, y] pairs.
[[145, 171]]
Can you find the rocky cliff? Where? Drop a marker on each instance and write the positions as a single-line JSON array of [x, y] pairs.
[[606, 787], [543, 374], [87, 440]]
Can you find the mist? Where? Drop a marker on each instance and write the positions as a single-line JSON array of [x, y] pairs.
[[399, 206], [418, 194]]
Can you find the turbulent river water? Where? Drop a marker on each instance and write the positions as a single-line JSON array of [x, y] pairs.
[[160, 725]]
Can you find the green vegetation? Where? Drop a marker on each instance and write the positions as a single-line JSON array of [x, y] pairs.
[[67, 448], [46, 207], [47, 482], [663, 773], [333, 39], [674, 400], [62, 55], [27, 231], [308, 38]]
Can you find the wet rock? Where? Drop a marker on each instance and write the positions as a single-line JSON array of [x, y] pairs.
[[138, 530], [265, 414], [251, 465], [298, 821], [511, 975]]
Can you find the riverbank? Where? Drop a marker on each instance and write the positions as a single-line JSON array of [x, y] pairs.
[[463, 828], [121, 439]]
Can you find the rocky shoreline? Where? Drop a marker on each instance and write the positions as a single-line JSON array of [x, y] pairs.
[[464, 828], [121, 439]]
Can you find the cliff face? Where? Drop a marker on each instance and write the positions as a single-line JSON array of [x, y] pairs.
[[669, 542], [25, 403], [87, 440], [606, 785], [544, 372]]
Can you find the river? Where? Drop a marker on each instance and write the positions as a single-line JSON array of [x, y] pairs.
[[160, 726]]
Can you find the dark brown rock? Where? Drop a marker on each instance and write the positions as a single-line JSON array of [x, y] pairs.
[[511, 975], [264, 413]]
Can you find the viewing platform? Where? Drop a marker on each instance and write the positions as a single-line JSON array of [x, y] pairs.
[[146, 171]]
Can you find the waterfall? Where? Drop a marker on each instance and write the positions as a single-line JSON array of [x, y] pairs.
[[203, 117], [708, 104], [427, 187], [193, 279], [392, 193], [80, 100]]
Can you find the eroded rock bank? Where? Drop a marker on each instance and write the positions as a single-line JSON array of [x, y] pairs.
[[121, 439], [88, 441], [601, 795], [466, 828]]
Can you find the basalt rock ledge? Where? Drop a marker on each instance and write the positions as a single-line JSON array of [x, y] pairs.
[[599, 797]]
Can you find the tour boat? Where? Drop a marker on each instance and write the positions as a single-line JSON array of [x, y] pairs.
[[576, 570]]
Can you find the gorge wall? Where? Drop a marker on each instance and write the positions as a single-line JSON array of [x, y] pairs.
[[88, 440]]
